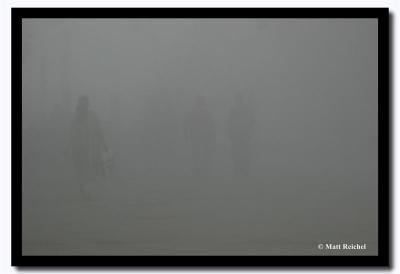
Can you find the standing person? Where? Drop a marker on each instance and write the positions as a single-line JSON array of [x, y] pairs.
[[88, 146], [201, 133], [240, 125]]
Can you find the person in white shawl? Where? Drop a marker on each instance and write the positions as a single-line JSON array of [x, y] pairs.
[[88, 146]]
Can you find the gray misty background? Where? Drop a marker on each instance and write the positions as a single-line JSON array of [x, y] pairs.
[[199, 136]]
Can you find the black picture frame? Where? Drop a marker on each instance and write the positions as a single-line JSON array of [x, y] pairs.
[[382, 259]]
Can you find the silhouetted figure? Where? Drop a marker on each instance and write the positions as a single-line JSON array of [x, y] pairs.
[[88, 146], [241, 123], [200, 131]]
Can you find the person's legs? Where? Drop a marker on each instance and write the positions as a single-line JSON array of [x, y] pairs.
[[83, 180]]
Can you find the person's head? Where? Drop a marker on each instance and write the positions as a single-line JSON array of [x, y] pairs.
[[83, 105]]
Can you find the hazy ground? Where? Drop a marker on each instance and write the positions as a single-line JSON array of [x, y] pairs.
[[185, 215]]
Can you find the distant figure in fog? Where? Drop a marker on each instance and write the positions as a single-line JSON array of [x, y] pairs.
[[240, 126], [201, 133], [88, 146]]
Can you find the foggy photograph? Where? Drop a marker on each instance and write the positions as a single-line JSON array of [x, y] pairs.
[[200, 136]]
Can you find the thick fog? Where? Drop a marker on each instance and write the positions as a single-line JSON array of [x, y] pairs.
[[199, 136]]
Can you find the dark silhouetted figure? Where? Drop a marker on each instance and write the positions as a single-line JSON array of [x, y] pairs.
[[88, 146], [240, 125], [201, 133]]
